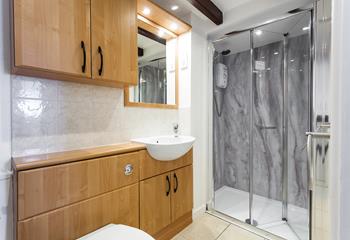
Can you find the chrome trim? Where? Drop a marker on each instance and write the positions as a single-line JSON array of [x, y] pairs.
[[318, 134], [285, 130], [310, 161], [128, 169], [251, 126], [312, 60]]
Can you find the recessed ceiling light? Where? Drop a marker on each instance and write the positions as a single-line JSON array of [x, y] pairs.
[[173, 26], [146, 11], [174, 8], [306, 28], [160, 33], [258, 32]]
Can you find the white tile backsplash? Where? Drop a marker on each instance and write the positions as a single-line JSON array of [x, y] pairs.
[[51, 116]]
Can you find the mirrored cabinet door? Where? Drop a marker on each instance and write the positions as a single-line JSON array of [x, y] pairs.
[[157, 69]]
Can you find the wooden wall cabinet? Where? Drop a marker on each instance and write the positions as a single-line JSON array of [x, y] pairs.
[[59, 39], [114, 40], [48, 35]]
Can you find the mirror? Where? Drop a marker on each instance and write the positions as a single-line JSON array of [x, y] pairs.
[[157, 70]]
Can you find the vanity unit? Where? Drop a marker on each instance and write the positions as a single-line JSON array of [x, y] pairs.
[[69, 194]]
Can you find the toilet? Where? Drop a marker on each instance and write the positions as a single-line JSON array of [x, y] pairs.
[[117, 232]]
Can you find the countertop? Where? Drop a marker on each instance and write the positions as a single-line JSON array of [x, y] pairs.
[[50, 159]]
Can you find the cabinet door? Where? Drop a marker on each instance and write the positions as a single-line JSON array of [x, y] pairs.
[[114, 40], [48, 35], [155, 203], [182, 192]]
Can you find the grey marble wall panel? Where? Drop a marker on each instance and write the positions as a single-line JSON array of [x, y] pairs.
[[298, 102], [231, 129], [268, 110]]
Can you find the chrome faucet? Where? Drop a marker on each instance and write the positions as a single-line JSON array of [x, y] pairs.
[[176, 129]]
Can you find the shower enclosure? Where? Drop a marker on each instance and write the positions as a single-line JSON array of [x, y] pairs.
[[262, 93]]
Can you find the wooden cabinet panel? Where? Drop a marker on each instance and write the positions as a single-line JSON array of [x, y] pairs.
[[155, 212], [114, 30], [182, 192], [150, 167], [48, 188], [48, 35], [71, 222]]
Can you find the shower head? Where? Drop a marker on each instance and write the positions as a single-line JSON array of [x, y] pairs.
[[223, 53], [296, 10], [226, 52]]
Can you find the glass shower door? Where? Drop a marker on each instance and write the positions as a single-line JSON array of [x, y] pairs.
[[267, 131], [299, 111], [262, 96], [281, 113], [231, 93]]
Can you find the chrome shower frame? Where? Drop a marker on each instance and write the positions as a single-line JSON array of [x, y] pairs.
[[210, 205]]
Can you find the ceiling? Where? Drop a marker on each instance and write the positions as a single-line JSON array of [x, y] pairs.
[[237, 14], [183, 12], [273, 32], [227, 5]]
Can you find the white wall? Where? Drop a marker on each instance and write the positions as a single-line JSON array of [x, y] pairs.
[[340, 131], [5, 123], [199, 113]]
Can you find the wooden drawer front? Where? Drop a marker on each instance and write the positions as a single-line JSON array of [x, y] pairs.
[[71, 222], [44, 189], [150, 167]]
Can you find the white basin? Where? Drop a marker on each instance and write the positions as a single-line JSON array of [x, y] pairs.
[[167, 148]]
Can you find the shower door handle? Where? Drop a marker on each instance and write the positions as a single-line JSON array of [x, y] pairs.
[[310, 160], [310, 157]]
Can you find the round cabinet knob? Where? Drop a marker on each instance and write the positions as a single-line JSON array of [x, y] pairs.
[[128, 169]]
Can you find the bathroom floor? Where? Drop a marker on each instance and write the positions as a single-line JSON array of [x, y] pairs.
[[267, 213], [208, 227]]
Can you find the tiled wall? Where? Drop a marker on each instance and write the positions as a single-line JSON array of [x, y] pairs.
[[50, 116]]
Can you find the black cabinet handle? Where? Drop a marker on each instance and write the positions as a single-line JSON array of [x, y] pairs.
[[83, 67], [176, 183], [168, 182], [101, 66]]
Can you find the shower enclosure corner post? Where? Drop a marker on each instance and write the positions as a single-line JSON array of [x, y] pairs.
[[285, 131], [251, 124]]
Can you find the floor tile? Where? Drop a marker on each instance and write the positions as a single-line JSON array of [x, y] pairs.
[[205, 227], [178, 237], [236, 233]]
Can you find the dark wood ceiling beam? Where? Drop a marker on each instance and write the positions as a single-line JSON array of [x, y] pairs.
[[209, 9]]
